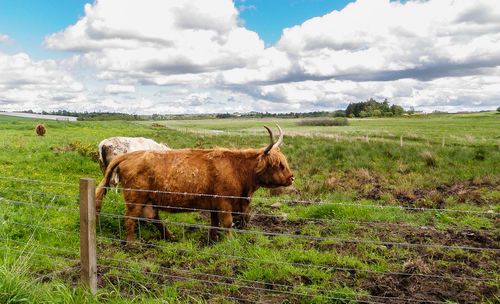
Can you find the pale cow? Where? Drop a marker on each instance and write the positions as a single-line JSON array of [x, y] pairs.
[[112, 147]]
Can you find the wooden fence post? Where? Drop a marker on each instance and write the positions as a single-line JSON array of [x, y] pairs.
[[442, 143], [367, 140], [499, 143], [401, 140], [88, 257]]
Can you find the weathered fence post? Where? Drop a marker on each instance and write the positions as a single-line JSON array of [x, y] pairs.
[[499, 143], [401, 140], [88, 260], [367, 140], [442, 143]]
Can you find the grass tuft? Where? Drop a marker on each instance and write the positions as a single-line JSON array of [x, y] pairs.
[[429, 158]]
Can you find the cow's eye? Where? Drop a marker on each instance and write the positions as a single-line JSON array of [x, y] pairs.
[[281, 166]]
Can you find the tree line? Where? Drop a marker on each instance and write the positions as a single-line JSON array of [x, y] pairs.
[[369, 108]]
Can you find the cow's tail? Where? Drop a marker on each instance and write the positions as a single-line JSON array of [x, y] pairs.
[[104, 184]]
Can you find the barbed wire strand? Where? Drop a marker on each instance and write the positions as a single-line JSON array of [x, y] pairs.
[[282, 216], [307, 237], [37, 181], [38, 226], [301, 201], [182, 289], [302, 287], [41, 246], [228, 284], [182, 250], [270, 199], [40, 254], [308, 265], [37, 192], [318, 238], [272, 284], [38, 205]]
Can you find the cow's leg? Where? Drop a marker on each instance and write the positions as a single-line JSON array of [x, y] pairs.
[[134, 211], [165, 233], [130, 226], [226, 220], [214, 222], [243, 217]]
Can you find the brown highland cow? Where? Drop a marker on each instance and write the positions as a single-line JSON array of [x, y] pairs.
[[40, 130], [204, 171]]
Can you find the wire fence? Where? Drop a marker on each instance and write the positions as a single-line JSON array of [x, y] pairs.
[[292, 266], [378, 136]]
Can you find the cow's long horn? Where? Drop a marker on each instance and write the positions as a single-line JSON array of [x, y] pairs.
[[271, 139], [280, 139]]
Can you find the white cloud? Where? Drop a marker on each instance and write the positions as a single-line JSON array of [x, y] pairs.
[[436, 53], [119, 89], [37, 85], [382, 40], [149, 39], [4, 38]]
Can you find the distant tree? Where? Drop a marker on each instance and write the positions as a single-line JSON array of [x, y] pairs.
[[397, 110], [498, 109], [225, 115], [384, 107], [372, 108], [339, 113]]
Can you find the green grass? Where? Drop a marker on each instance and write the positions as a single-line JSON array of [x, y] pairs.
[[463, 129], [464, 175]]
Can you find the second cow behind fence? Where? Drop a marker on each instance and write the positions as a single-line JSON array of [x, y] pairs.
[[112, 147], [209, 172]]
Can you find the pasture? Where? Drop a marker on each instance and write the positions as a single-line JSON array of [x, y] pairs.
[[327, 239]]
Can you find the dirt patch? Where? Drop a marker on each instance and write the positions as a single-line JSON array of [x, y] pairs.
[[444, 266], [463, 191], [426, 290]]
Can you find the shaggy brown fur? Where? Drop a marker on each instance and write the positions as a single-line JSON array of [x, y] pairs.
[[206, 171], [40, 130]]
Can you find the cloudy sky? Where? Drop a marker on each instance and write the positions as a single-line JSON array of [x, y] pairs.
[[217, 56]]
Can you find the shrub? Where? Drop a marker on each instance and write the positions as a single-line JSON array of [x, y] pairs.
[[339, 113], [339, 121], [87, 150], [316, 122]]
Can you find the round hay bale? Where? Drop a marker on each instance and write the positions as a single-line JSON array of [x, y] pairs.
[[40, 130]]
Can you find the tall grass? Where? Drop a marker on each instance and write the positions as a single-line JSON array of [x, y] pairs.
[[339, 121]]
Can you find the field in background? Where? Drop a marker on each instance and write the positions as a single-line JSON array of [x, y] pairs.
[[467, 129], [462, 175]]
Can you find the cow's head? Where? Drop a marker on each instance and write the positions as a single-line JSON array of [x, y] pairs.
[[272, 168]]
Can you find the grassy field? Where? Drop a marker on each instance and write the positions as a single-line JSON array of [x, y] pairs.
[[343, 171]]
